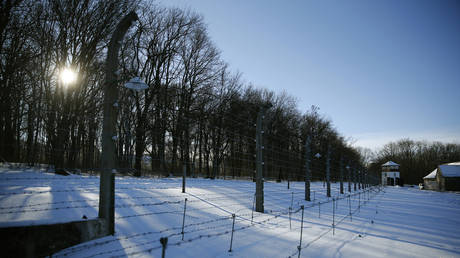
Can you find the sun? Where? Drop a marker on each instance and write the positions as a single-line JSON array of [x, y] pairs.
[[68, 76]]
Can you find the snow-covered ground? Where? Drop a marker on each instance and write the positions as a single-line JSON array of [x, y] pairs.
[[395, 222]]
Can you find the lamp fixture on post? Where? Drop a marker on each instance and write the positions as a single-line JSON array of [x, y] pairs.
[[136, 84]]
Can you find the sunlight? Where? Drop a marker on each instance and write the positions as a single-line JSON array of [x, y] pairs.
[[68, 76]]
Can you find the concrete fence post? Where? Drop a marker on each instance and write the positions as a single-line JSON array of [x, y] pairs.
[[184, 175], [307, 169], [354, 178], [260, 159], [349, 208], [333, 216], [328, 171], [301, 231], [359, 202], [349, 178], [108, 155], [233, 230], [183, 218], [164, 244], [319, 209], [341, 175], [253, 207]]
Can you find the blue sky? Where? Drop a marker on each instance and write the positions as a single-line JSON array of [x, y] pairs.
[[380, 70]]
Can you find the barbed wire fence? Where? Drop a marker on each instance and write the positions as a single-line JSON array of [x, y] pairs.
[[249, 154], [205, 229], [221, 225]]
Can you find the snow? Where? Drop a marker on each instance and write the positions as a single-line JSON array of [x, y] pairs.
[[431, 175], [395, 222], [450, 170], [447, 170], [390, 163]]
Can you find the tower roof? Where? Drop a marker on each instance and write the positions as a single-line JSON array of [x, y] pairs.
[[390, 163]]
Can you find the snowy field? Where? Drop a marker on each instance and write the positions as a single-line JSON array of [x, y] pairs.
[[395, 222]]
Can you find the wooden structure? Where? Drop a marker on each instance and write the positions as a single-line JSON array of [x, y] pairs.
[[445, 177], [390, 173]]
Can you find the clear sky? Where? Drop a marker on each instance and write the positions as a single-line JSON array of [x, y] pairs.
[[380, 70]]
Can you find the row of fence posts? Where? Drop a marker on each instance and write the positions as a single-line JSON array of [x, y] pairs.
[[357, 178], [255, 200], [164, 240], [335, 202], [259, 187]]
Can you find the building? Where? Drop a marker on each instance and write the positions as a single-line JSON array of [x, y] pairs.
[[429, 181], [390, 173], [445, 177]]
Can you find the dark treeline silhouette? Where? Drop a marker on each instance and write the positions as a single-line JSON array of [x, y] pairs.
[[416, 158], [195, 112]]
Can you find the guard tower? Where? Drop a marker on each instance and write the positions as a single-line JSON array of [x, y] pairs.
[[390, 173]]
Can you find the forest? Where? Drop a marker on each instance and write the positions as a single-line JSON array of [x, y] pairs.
[[197, 112]]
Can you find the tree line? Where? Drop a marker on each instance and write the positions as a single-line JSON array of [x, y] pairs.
[[196, 111], [416, 158]]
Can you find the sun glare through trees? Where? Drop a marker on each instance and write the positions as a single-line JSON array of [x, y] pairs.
[[67, 76]]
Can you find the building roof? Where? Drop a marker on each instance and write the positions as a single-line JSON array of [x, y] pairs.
[[449, 170], [432, 174], [390, 163]]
